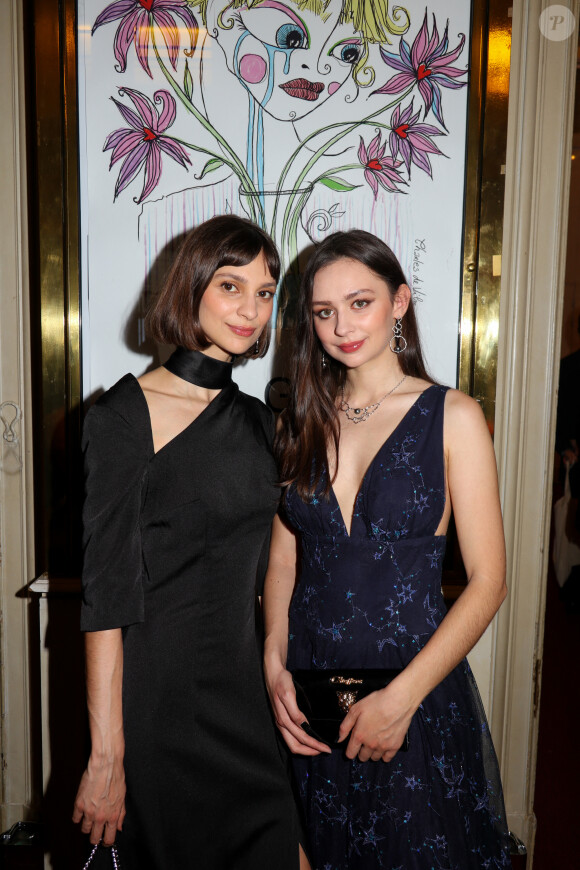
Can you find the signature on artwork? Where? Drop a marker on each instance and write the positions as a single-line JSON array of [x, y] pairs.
[[419, 252]]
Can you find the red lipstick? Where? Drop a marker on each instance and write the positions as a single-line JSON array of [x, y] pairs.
[[244, 331], [303, 89], [351, 347]]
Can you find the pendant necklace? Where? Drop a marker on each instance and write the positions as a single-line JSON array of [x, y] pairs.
[[359, 415]]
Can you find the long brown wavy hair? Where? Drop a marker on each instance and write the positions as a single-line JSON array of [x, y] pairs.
[[310, 423]]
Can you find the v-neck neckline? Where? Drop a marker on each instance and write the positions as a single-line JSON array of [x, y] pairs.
[[348, 531], [154, 453]]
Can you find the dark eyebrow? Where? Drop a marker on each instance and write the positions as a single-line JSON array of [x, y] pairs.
[[230, 276], [348, 297]]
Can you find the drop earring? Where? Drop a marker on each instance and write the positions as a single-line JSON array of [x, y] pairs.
[[398, 342], [323, 363], [257, 348]]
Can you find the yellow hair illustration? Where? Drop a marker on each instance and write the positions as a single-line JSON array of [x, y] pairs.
[[370, 18]]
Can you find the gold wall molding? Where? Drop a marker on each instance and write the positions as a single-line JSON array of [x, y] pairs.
[[484, 202], [55, 293]]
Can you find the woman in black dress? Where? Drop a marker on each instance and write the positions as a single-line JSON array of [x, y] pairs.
[[185, 770]]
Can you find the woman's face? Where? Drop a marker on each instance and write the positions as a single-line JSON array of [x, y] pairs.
[[236, 306], [353, 312], [291, 61]]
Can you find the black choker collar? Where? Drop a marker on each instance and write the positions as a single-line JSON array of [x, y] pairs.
[[199, 369]]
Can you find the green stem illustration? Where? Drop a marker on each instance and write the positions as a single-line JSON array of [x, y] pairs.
[[347, 128], [234, 162]]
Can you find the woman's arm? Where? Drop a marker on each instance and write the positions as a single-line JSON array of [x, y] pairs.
[[100, 801], [278, 588], [379, 722]]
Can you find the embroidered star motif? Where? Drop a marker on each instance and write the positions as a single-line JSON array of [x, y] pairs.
[[434, 557], [422, 504], [406, 593], [402, 456], [371, 838]]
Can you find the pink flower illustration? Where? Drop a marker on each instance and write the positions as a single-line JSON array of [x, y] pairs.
[[428, 63], [137, 19], [412, 140], [142, 144], [378, 168]]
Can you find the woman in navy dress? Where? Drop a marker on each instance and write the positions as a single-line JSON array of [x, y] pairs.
[[185, 770], [374, 456]]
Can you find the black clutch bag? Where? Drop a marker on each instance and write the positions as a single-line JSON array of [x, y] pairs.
[[326, 696]]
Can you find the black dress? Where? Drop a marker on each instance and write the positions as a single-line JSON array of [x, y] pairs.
[[175, 543], [372, 599]]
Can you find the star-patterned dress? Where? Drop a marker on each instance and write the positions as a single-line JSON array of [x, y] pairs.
[[373, 599]]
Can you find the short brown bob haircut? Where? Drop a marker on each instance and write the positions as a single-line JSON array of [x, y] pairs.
[[224, 240]]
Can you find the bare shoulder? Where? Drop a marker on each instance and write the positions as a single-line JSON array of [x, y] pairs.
[[464, 419], [460, 406]]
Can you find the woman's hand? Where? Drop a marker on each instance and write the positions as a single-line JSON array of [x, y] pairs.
[[100, 801], [377, 724], [289, 716]]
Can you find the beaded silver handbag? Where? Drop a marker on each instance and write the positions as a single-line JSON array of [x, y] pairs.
[[114, 857]]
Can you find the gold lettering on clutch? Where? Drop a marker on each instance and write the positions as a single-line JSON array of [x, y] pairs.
[[346, 681]]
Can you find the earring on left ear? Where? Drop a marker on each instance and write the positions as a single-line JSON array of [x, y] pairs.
[[398, 342], [257, 348]]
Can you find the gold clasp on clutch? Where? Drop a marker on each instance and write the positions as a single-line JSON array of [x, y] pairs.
[[346, 699]]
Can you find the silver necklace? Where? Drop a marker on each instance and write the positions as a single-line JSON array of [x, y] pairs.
[[359, 415]]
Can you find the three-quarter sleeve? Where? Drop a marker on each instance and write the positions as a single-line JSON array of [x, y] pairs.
[[115, 474]]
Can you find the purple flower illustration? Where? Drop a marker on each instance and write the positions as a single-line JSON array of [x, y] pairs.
[[412, 140], [428, 63], [378, 168], [137, 19], [142, 144]]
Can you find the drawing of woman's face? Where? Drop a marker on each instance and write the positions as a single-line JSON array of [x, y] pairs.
[[291, 61]]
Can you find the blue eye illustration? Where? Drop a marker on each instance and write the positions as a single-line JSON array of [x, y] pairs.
[[290, 36], [347, 52]]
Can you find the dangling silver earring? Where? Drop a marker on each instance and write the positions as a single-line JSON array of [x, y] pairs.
[[257, 348], [323, 363], [398, 342]]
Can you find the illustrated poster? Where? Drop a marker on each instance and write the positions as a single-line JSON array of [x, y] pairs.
[[307, 116]]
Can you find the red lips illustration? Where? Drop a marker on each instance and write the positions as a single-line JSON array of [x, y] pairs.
[[303, 89]]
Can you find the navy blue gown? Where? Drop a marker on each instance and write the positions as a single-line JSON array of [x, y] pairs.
[[373, 599]]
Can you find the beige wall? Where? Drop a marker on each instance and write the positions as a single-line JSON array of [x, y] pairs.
[[16, 556]]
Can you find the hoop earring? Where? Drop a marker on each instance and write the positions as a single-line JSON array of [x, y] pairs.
[[398, 342], [323, 363]]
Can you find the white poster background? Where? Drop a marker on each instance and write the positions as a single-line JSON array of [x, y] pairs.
[[126, 245]]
